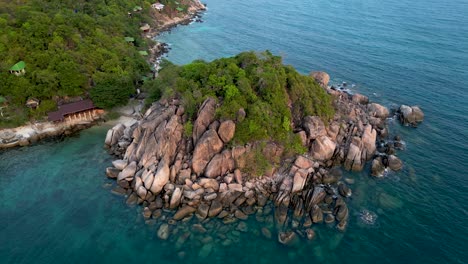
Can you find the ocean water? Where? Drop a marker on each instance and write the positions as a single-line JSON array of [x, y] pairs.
[[55, 201]]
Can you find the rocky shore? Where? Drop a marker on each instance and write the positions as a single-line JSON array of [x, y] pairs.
[[194, 178], [29, 134]]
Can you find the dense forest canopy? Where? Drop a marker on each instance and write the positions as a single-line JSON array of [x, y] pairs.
[[71, 48], [274, 97]]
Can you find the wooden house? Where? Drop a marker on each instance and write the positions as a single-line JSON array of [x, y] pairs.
[[79, 111]]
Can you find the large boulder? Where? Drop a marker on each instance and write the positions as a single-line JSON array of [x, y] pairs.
[[314, 127], [377, 110], [303, 162], [394, 163], [321, 78], [120, 164], [368, 142], [360, 99], [208, 146], [205, 116], [175, 198], [377, 168], [411, 115], [226, 130], [184, 212], [128, 173], [114, 134], [299, 180], [353, 160], [323, 148], [220, 164], [160, 178], [209, 184]]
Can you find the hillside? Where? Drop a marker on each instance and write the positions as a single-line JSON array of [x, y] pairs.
[[73, 48]]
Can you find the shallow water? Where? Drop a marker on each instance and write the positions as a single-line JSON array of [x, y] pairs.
[[55, 201]]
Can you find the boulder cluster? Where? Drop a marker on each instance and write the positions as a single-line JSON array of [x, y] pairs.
[[200, 175]]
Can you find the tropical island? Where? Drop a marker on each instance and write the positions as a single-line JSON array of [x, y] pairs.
[[243, 136]]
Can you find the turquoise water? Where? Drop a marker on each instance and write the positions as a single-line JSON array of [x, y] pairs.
[[55, 201]]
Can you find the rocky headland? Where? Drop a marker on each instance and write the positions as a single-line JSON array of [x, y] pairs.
[[191, 178]]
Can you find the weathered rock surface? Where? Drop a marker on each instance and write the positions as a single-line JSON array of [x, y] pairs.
[[208, 146], [226, 130], [321, 78], [205, 116], [410, 115], [323, 148]]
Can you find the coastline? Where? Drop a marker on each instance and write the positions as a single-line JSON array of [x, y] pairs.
[[33, 132]]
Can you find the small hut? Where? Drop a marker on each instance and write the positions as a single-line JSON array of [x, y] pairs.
[[143, 52], [158, 6], [145, 28], [18, 69], [129, 39], [32, 103], [137, 8]]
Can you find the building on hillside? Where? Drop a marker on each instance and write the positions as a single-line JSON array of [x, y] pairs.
[[137, 8], [145, 28], [143, 53], [129, 40], [79, 111], [32, 103], [18, 69], [158, 6]]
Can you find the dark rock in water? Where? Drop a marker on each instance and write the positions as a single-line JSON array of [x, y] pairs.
[[132, 199], [198, 228], [310, 233], [394, 163], [329, 218], [344, 190], [112, 172], [266, 233], [288, 238], [240, 215], [333, 176], [184, 212], [342, 225], [163, 231], [215, 209], [410, 115], [378, 167], [119, 190], [202, 210], [317, 215], [341, 212]]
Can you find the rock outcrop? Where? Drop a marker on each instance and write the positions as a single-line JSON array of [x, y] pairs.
[[203, 175], [410, 115]]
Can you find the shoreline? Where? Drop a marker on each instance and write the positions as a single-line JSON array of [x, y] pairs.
[[31, 133]]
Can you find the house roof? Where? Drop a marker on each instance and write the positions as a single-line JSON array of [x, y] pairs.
[[71, 108], [137, 8], [180, 9], [129, 39], [18, 66], [2, 99], [145, 27], [143, 52]]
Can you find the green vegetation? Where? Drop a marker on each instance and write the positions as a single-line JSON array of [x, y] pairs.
[[70, 48], [275, 97]]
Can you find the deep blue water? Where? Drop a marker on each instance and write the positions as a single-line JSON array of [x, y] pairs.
[[56, 205]]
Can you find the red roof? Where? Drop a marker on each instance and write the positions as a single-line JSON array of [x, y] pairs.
[[71, 108]]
